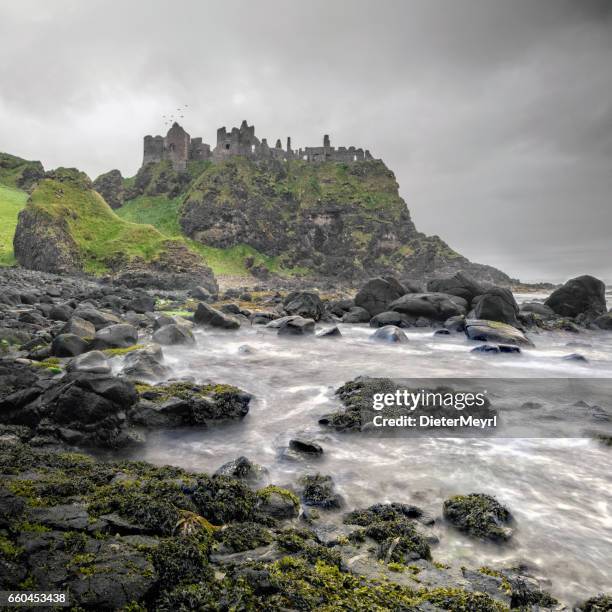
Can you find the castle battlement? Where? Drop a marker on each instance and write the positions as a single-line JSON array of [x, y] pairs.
[[178, 147]]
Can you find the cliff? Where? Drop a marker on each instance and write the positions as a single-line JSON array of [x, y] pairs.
[[67, 227]]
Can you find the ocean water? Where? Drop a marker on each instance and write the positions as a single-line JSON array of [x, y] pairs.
[[558, 489]]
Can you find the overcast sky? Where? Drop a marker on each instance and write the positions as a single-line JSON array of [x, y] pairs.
[[496, 116]]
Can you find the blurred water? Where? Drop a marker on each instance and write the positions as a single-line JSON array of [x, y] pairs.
[[558, 489]]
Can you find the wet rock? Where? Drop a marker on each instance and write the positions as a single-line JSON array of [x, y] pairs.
[[599, 603], [339, 307], [98, 318], [295, 326], [494, 331], [376, 295], [575, 357], [391, 317], [461, 285], [356, 315], [442, 332], [11, 507], [302, 445], [329, 332], [243, 469], [173, 334], [207, 315], [318, 490], [68, 345], [94, 362], [277, 503], [141, 303], [79, 327], [389, 334], [497, 304], [146, 363], [581, 295], [162, 320], [480, 516], [496, 348], [262, 317], [66, 517], [433, 306], [306, 304], [537, 308], [604, 321], [383, 512], [122, 335], [201, 293], [61, 312]]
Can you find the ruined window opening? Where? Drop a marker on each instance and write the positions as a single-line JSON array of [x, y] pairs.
[[252, 148], [227, 146], [354, 158]]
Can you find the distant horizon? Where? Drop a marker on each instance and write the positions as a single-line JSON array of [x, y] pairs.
[[494, 116]]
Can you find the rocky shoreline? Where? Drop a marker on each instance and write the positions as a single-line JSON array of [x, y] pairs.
[[80, 370]]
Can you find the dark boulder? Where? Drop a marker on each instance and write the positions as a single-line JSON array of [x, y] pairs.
[[122, 335], [356, 315], [460, 284], [376, 295], [537, 308], [391, 317], [207, 315], [99, 318], [496, 348], [277, 503], [94, 362], [302, 445], [173, 334], [110, 186], [295, 326], [61, 312], [329, 332], [243, 469], [68, 345], [146, 363], [582, 295], [389, 334], [305, 304], [433, 306], [479, 515], [497, 304], [604, 321], [319, 490]]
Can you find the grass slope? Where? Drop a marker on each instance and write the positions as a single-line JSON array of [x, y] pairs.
[[12, 200], [163, 213], [98, 232]]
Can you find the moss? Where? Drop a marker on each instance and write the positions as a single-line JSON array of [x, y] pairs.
[[180, 561], [396, 567], [9, 549], [479, 515], [182, 390], [118, 352], [243, 536], [32, 527], [221, 499], [267, 491], [74, 541]]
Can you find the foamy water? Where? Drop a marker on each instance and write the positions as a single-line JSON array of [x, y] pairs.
[[557, 489]]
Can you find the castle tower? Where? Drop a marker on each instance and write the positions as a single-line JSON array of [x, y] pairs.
[[177, 147]]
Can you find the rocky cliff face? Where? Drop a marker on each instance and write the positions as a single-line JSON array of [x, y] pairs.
[[330, 219], [66, 227]]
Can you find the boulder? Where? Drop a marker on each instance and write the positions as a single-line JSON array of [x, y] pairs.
[[480, 516], [389, 334], [61, 312], [494, 331], [122, 335], [302, 445], [278, 503], [141, 303], [79, 327], [537, 308], [207, 315], [496, 348], [376, 295], [68, 345], [99, 318], [318, 490], [146, 363], [391, 317], [604, 321], [497, 304], [356, 314], [243, 469], [339, 307], [173, 334], [94, 362], [433, 306], [295, 326], [582, 295], [305, 304], [329, 332], [460, 284]]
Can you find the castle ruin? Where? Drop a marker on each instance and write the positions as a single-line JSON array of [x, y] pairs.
[[179, 148]]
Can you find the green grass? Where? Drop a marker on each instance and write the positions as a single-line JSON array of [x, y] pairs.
[[163, 213], [98, 232], [11, 202]]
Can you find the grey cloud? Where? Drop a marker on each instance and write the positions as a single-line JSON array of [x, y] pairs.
[[494, 115]]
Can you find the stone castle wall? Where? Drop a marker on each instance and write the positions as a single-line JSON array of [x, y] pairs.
[[178, 147]]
